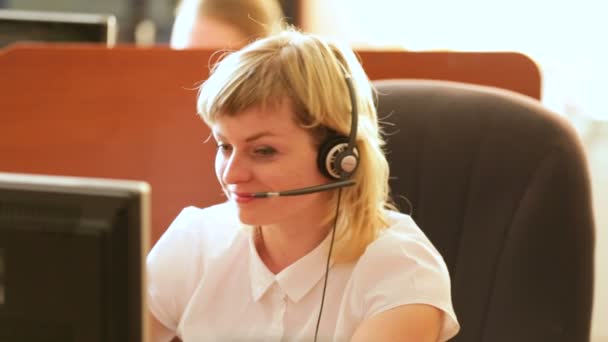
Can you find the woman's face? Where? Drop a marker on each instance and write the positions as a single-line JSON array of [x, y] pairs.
[[262, 151]]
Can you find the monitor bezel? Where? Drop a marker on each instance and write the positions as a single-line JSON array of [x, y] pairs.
[[90, 186], [106, 20]]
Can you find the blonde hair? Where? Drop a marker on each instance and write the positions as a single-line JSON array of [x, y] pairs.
[[254, 18], [310, 72]]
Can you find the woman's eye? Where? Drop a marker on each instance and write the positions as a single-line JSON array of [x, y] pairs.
[[265, 151]]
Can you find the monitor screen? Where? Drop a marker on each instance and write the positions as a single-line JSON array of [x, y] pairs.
[[33, 26], [72, 258]]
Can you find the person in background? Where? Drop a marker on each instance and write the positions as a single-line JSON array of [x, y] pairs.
[[224, 24], [308, 245]]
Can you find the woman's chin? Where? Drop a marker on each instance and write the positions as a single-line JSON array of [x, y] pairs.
[[250, 219], [256, 218]]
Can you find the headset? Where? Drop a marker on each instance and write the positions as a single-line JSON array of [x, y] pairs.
[[338, 157]]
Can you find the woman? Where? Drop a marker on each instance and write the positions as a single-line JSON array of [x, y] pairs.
[[337, 263], [224, 24]]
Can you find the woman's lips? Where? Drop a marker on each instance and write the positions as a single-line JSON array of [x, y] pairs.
[[242, 197]]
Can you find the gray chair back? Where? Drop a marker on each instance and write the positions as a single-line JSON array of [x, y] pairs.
[[501, 186]]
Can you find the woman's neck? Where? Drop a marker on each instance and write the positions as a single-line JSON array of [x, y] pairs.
[[279, 248]]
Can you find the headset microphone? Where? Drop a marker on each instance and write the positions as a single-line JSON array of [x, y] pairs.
[[301, 191]]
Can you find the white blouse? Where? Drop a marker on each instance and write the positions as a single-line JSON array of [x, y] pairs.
[[206, 282]]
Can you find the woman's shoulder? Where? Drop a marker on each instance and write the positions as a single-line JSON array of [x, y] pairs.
[[176, 263], [194, 218], [401, 232], [401, 248], [401, 267], [220, 218], [216, 226]]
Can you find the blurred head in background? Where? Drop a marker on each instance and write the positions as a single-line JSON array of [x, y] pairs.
[[220, 24]]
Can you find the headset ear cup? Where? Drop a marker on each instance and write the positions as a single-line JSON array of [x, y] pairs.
[[330, 155]]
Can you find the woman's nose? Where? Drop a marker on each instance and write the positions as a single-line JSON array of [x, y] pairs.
[[236, 170]]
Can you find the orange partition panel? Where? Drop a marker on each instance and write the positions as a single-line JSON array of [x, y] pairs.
[[507, 70], [118, 113], [129, 112]]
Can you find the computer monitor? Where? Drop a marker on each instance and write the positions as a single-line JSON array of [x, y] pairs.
[[72, 259], [35, 26]]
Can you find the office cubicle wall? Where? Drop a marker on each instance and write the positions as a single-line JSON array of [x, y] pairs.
[[129, 112]]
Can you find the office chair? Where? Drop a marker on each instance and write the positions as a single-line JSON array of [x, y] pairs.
[[500, 185]]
